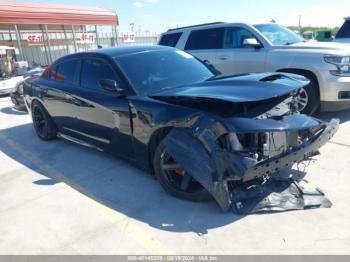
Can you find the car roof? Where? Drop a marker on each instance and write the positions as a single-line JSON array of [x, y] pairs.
[[128, 50], [114, 52], [204, 26]]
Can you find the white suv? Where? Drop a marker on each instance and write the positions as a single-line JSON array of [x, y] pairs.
[[236, 48]]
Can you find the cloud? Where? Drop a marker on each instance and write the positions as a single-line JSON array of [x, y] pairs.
[[137, 4], [142, 3]]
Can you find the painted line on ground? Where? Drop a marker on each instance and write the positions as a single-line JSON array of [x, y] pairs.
[[339, 144], [123, 222]]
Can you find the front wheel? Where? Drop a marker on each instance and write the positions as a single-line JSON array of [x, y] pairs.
[[43, 124], [308, 99], [175, 180]]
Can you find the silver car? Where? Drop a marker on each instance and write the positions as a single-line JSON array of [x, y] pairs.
[[235, 48]]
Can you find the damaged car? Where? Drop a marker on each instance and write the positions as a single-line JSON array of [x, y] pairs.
[[203, 135]]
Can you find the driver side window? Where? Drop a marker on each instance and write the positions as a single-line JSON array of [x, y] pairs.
[[94, 70], [235, 36]]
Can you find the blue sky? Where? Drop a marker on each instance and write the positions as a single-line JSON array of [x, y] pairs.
[[159, 15]]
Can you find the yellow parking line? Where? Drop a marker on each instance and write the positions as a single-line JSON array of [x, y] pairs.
[[123, 222]]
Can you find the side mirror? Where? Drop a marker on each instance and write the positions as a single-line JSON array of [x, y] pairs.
[[112, 86], [251, 42]]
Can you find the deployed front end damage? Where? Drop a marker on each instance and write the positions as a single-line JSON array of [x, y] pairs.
[[236, 159]]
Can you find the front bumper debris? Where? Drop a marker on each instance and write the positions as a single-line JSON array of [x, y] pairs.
[[197, 152], [275, 196]]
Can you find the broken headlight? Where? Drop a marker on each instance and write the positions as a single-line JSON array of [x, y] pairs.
[[287, 107], [264, 145]]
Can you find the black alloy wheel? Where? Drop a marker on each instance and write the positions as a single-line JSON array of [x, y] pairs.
[[43, 124], [175, 180]]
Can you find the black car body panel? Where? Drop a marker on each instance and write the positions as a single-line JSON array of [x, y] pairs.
[[238, 89], [221, 125]]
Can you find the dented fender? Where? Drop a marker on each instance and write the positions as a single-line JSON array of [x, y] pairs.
[[196, 150]]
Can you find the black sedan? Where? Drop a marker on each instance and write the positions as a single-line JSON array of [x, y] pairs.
[[164, 110]]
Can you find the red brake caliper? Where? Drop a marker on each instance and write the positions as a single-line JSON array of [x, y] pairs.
[[180, 171]]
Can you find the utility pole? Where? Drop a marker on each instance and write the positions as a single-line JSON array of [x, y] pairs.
[[299, 24]]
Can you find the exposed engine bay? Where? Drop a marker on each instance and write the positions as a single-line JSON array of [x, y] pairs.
[[240, 151]]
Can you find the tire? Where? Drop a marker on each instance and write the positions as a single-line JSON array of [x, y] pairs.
[[310, 92], [171, 180], [43, 124]]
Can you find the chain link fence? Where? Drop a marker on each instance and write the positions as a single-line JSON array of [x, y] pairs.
[[63, 43]]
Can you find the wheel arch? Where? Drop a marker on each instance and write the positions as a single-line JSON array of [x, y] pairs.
[[154, 141], [304, 72], [37, 100]]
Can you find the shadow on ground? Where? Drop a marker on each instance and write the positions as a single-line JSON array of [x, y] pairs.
[[13, 111], [112, 182], [344, 115]]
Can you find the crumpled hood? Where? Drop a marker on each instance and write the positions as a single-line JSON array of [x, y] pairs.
[[237, 89]]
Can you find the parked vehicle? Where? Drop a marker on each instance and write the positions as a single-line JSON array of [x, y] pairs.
[[9, 65], [11, 70], [7, 85], [235, 48], [343, 35], [165, 111], [320, 36], [17, 93]]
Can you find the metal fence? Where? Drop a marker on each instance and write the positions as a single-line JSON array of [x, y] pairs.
[[62, 43]]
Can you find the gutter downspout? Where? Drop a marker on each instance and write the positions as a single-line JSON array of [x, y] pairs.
[[48, 43], [74, 42], [18, 36]]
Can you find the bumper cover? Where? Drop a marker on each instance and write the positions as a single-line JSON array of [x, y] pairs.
[[210, 166], [301, 153]]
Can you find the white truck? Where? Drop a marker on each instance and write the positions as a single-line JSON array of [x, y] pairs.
[[236, 48]]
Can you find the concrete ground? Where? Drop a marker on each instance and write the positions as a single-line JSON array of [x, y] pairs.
[[60, 198]]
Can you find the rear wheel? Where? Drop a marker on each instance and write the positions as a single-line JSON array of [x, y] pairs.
[[43, 124], [175, 180]]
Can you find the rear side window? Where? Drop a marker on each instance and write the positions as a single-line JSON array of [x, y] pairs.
[[206, 39], [66, 72], [235, 36], [170, 39], [344, 31], [94, 70]]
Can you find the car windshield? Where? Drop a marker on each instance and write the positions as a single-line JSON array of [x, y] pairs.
[[279, 35], [153, 71]]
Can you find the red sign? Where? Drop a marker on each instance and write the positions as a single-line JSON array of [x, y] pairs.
[[88, 38], [35, 39], [129, 38]]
